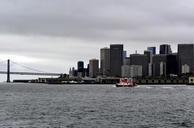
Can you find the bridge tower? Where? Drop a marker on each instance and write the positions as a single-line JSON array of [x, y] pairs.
[[8, 71]]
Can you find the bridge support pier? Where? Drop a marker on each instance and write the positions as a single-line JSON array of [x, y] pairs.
[[8, 71]]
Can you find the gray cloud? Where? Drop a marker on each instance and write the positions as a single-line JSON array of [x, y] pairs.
[[99, 20]]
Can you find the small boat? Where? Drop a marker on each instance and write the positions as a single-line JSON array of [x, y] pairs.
[[126, 82]]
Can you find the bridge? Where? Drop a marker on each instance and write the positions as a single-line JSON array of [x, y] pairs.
[[35, 71]]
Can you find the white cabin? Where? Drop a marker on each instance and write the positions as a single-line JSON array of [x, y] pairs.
[[191, 80]]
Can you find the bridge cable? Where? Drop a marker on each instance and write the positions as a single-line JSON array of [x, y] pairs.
[[29, 68], [3, 63]]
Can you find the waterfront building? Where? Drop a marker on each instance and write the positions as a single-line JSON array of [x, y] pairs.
[[162, 68], [150, 69], [93, 68], [131, 71], [186, 58], [105, 61], [116, 59], [165, 49], [125, 71], [140, 59], [125, 68], [185, 69], [159, 64], [152, 50], [135, 71], [149, 55], [165, 64]]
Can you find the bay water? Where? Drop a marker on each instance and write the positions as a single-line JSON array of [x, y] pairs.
[[96, 106]]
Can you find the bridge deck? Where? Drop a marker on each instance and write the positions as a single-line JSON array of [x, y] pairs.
[[32, 73]]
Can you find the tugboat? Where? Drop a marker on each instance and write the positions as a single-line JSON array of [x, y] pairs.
[[126, 82]]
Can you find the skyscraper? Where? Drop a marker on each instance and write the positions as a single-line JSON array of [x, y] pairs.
[[140, 60], [124, 56], [172, 64], [93, 68], [186, 58], [165, 64], [149, 55], [126, 61], [165, 49], [80, 68], [152, 50], [105, 61], [159, 64], [87, 70], [116, 59]]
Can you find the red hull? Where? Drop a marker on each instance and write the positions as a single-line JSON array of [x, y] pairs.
[[126, 82], [118, 85]]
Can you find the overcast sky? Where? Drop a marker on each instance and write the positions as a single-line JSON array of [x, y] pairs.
[[52, 35]]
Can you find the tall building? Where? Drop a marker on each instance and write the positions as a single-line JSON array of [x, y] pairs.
[[165, 65], [149, 55], [105, 61], [70, 73], [185, 69], [116, 59], [124, 56], [140, 60], [126, 61], [93, 68], [186, 58], [152, 50], [87, 70], [165, 49], [73, 72], [80, 68], [159, 64], [150, 69], [172, 64]]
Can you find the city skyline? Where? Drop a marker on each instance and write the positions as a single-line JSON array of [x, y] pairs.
[[114, 62], [53, 35]]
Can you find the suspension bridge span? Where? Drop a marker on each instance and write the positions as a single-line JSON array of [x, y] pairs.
[[35, 71]]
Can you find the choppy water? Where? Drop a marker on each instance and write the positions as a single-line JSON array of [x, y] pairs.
[[95, 106]]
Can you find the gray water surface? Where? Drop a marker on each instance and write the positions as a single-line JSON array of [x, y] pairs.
[[95, 106]]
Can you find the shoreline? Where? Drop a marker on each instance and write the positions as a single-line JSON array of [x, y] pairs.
[[173, 84]]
